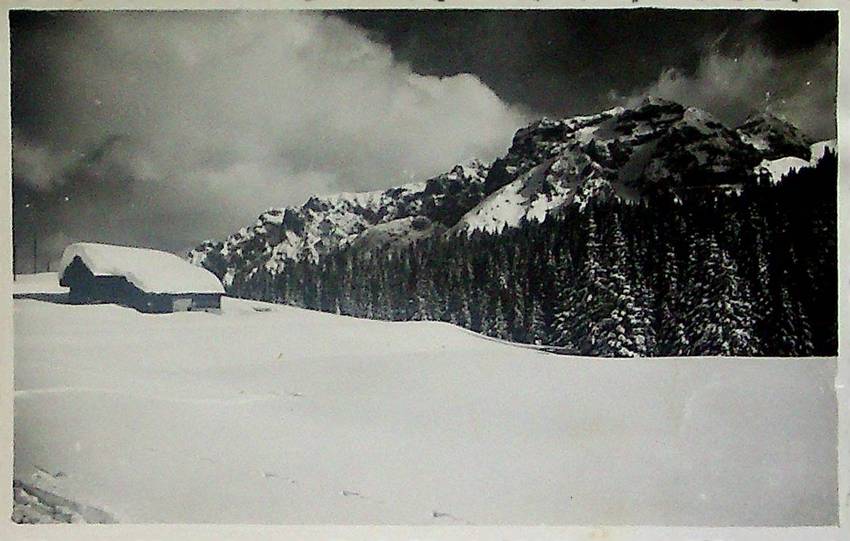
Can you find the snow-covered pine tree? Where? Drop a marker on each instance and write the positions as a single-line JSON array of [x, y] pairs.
[[569, 317], [516, 320], [720, 320], [760, 283], [619, 328], [673, 339], [498, 323], [792, 332], [793, 335], [537, 325], [426, 298], [638, 263]]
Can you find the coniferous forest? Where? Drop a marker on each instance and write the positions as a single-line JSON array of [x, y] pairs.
[[751, 272]]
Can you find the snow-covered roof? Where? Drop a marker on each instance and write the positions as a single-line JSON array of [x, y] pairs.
[[149, 270]]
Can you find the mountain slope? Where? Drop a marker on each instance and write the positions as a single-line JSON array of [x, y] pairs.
[[777, 168], [327, 223], [774, 137], [657, 147], [660, 146]]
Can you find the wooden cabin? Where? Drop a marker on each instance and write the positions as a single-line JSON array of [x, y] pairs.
[[147, 280]]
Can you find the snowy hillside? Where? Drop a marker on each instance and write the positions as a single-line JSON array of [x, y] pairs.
[[778, 168], [396, 233], [524, 198], [271, 414], [819, 149]]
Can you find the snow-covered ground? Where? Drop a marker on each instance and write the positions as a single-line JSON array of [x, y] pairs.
[[43, 282], [271, 414]]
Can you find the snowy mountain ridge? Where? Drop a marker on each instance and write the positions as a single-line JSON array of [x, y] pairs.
[[326, 223], [628, 153], [657, 147]]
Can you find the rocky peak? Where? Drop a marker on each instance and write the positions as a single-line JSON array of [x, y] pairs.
[[774, 136]]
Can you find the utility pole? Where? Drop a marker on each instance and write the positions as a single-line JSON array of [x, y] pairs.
[[34, 221]]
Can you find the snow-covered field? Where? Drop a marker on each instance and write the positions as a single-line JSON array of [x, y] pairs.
[[271, 414]]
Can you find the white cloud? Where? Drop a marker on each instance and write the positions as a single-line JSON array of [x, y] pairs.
[[41, 166], [228, 114]]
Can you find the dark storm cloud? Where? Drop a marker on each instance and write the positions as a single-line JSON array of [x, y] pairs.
[[554, 62], [572, 62], [161, 129]]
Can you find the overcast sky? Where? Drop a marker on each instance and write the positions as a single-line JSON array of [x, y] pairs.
[[163, 129]]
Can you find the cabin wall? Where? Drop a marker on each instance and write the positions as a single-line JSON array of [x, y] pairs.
[[154, 303], [160, 303], [86, 288], [188, 302], [206, 301]]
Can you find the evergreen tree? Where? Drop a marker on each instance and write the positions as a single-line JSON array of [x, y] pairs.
[[720, 316]]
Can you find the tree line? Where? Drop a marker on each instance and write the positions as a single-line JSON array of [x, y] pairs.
[[750, 272]]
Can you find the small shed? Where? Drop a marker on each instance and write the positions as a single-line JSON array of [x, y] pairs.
[[147, 280]]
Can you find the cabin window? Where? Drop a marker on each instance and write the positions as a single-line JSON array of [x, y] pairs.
[[182, 304]]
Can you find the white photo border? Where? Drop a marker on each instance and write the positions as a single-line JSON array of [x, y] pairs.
[[11, 531]]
